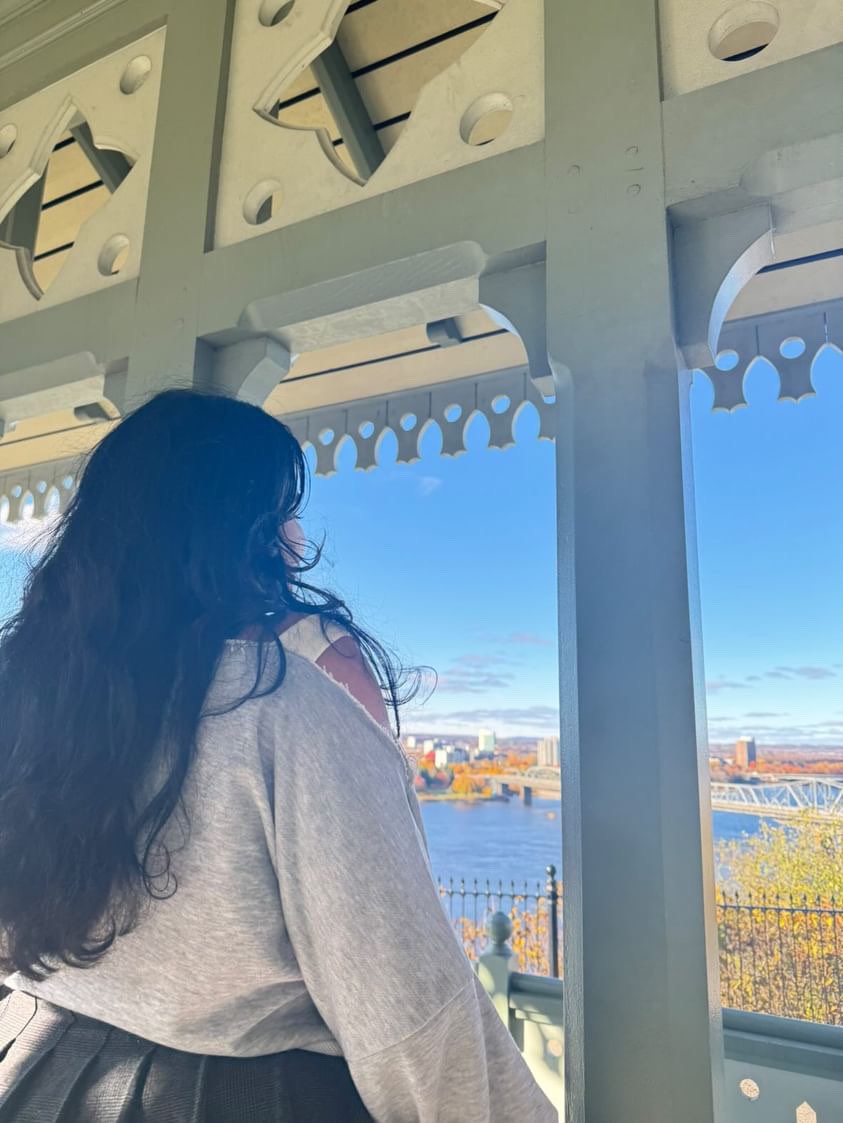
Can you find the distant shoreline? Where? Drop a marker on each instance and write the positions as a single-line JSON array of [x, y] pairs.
[[452, 797]]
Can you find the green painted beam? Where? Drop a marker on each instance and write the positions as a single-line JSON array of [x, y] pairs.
[[465, 204], [20, 226], [714, 136], [112, 167], [180, 203], [101, 322], [468, 204], [47, 42], [348, 110], [642, 1040]]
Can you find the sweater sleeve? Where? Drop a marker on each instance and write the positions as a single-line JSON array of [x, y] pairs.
[[375, 949]]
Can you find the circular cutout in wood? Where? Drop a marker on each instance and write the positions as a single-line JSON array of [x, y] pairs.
[[136, 73], [743, 31], [113, 255], [8, 136], [262, 202], [486, 119], [273, 12]]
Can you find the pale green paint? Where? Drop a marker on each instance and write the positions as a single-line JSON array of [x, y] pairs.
[[594, 201], [190, 115], [50, 41], [642, 1042]]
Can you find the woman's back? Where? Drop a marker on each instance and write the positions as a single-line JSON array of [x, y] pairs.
[[213, 883], [305, 916]]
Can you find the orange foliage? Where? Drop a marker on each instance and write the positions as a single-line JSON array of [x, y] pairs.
[[466, 784]]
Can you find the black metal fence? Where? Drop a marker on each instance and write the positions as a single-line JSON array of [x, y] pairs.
[[777, 955], [781, 955], [534, 908]]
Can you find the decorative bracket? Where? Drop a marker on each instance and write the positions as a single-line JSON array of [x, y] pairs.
[[250, 369], [517, 300], [73, 382], [713, 260]]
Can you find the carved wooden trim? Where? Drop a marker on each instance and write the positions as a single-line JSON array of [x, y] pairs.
[[790, 341], [56, 31]]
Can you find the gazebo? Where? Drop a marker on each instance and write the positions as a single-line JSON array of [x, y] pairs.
[[385, 215]]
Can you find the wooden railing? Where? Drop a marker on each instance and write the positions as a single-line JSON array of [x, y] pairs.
[[777, 1070]]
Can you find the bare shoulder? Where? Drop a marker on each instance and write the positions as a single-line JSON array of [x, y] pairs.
[[345, 663]]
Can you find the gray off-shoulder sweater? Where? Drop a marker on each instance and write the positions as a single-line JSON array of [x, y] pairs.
[[306, 917]]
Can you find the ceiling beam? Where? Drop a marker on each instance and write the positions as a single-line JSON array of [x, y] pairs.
[[100, 322], [110, 165], [743, 140], [348, 110], [46, 42], [20, 226], [467, 204]]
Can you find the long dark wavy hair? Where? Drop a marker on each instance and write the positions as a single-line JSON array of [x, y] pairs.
[[173, 542]]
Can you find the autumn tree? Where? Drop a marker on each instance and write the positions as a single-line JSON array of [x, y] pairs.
[[802, 858], [780, 921], [465, 784]]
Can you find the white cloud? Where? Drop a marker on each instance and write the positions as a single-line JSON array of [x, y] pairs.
[[529, 639], [714, 686], [429, 484], [801, 672], [469, 680], [484, 660], [535, 720], [816, 734]]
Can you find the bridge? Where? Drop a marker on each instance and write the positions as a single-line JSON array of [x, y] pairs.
[[781, 799], [545, 782], [813, 796]]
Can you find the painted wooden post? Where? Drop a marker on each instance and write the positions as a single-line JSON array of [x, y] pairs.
[[493, 965], [179, 210], [642, 1010]]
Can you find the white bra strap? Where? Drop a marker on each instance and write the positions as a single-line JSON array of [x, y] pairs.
[[308, 638]]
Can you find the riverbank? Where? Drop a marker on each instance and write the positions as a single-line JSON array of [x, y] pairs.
[[509, 840], [453, 797]]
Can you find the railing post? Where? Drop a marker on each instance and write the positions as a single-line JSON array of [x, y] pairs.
[[553, 921], [493, 965]]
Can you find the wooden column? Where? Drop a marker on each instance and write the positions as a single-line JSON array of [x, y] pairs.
[[641, 1002], [180, 206]]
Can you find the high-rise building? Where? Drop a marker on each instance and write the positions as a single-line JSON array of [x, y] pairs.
[[549, 756], [447, 755], [486, 741], [745, 752]]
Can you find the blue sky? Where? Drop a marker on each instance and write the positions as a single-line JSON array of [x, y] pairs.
[[769, 484], [452, 562]]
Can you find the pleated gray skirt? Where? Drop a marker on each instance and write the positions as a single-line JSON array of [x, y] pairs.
[[58, 1067]]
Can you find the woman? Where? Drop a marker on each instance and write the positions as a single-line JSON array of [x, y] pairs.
[[215, 904]]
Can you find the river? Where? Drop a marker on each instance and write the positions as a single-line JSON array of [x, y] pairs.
[[510, 841]]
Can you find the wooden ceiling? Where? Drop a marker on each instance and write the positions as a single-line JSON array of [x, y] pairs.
[[392, 48]]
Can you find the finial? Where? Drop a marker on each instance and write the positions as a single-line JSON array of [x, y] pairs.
[[499, 929]]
